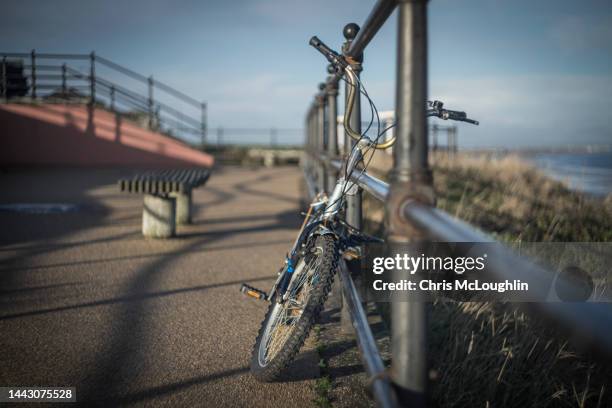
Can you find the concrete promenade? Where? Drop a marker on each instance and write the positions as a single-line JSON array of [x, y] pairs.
[[86, 301]]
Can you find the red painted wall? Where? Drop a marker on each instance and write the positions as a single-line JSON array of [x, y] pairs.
[[77, 135]]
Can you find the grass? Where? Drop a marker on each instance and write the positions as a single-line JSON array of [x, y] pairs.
[[493, 354], [323, 385]]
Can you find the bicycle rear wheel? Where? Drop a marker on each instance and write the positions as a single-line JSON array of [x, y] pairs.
[[287, 324]]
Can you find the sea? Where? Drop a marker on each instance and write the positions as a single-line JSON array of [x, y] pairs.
[[590, 173]]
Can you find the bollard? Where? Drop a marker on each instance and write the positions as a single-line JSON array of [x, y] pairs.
[[159, 216], [184, 207], [410, 180]]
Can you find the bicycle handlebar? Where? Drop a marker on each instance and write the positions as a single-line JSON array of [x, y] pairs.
[[341, 65], [333, 57], [446, 114]]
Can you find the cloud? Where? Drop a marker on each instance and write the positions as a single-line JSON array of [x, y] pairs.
[[577, 33], [532, 110], [514, 111]]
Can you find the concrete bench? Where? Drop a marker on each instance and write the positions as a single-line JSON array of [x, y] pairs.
[[167, 198]]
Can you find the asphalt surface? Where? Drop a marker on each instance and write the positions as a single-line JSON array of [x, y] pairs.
[[86, 301]]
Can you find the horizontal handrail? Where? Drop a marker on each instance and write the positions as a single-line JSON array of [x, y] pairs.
[[144, 79], [252, 130], [383, 393], [410, 220], [113, 65], [375, 20], [377, 188], [141, 99], [591, 319], [46, 55]]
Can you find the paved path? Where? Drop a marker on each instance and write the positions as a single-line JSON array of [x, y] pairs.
[[85, 301]]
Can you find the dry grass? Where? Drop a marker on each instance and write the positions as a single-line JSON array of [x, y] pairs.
[[517, 202], [492, 354], [488, 354]]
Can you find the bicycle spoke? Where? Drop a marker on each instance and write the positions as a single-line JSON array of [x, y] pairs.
[[291, 310]]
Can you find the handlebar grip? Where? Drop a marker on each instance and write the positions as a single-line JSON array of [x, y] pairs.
[[458, 116], [320, 46], [330, 54], [455, 115]]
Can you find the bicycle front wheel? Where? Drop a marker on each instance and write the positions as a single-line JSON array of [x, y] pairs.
[[287, 324]]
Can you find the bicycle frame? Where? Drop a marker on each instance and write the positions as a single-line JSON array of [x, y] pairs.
[[325, 221]]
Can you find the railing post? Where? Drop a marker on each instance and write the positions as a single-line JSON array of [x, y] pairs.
[[92, 78], [150, 102], [64, 84], [332, 128], [273, 135], [305, 160], [311, 140], [4, 80], [219, 136], [353, 202], [320, 142], [33, 73], [203, 124], [112, 97], [411, 180]]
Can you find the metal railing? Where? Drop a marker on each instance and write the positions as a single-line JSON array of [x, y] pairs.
[[272, 136], [411, 215], [48, 76]]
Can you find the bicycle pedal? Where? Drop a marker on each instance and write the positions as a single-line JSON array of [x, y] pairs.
[[253, 292], [351, 253]]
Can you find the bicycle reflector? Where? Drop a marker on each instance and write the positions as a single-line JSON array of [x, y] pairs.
[[253, 292]]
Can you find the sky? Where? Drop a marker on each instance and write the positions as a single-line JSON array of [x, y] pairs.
[[535, 73]]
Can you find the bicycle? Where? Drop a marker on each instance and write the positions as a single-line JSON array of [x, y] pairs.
[[305, 279]]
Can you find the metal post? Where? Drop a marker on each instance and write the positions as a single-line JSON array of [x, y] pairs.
[[203, 124], [353, 202], [112, 97], [332, 128], [273, 136], [320, 137], [64, 85], [4, 81], [33, 72], [92, 78], [410, 181], [219, 136], [150, 102], [311, 140]]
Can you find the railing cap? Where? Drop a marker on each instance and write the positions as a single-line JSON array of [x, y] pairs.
[[350, 31]]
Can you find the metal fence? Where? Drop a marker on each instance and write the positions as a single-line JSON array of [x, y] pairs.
[[273, 136], [411, 217], [50, 77]]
